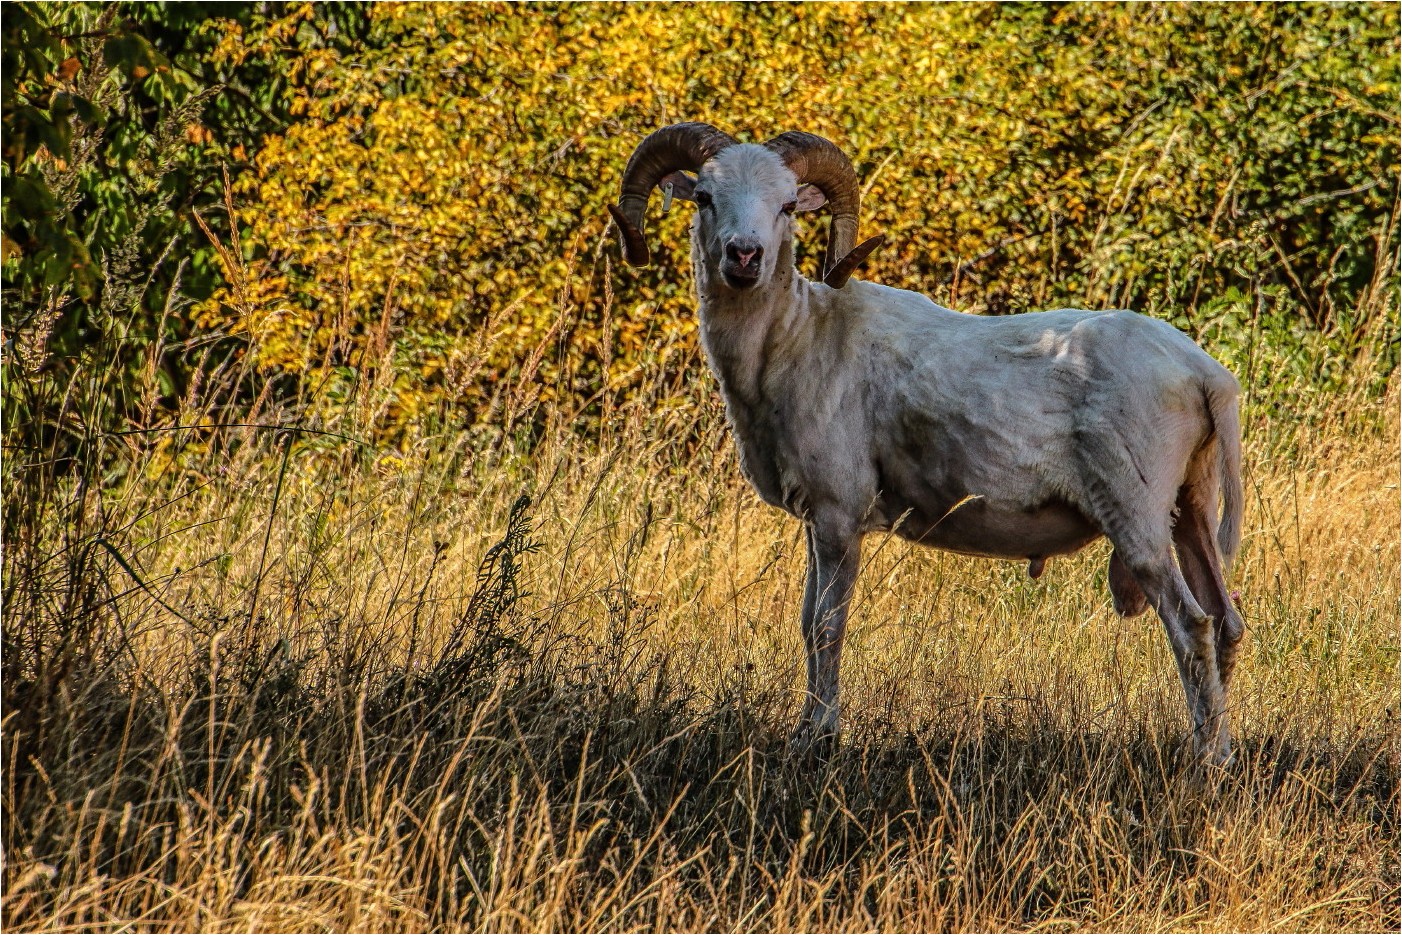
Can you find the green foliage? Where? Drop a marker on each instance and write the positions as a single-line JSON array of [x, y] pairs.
[[419, 189], [119, 124], [450, 172]]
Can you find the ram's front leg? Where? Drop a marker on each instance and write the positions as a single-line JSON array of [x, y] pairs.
[[834, 555]]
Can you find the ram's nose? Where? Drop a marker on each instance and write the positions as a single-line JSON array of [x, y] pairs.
[[745, 254]]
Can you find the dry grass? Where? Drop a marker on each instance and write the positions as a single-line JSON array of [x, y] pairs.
[[323, 709]]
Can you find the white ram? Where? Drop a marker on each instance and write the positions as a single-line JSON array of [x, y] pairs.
[[860, 408]]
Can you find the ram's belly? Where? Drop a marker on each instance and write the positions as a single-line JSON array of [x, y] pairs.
[[973, 527]]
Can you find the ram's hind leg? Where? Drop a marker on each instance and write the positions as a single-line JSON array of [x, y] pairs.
[[1202, 567], [1129, 596], [1190, 634], [1134, 509]]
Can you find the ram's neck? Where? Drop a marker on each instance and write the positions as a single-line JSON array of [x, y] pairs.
[[740, 330]]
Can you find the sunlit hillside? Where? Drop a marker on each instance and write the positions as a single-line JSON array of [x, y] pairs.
[[376, 555]]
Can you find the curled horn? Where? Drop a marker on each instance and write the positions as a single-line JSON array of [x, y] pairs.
[[837, 276], [820, 163], [680, 146]]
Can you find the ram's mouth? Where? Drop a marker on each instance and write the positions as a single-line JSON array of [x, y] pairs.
[[740, 280]]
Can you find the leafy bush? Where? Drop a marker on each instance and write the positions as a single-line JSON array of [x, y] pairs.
[[120, 128], [449, 175]]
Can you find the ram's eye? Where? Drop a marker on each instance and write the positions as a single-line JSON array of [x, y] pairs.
[[703, 199], [789, 207]]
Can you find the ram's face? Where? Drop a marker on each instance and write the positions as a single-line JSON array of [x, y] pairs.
[[745, 201]]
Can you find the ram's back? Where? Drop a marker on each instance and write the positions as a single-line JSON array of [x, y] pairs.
[[997, 413]]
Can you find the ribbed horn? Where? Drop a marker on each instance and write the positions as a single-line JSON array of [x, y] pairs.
[[820, 163], [837, 276], [680, 146]]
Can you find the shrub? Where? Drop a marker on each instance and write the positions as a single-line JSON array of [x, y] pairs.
[[450, 172]]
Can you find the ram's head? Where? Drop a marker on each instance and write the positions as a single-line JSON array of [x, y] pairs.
[[746, 195]]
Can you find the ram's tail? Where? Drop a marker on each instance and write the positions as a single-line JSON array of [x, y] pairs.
[[1226, 423]]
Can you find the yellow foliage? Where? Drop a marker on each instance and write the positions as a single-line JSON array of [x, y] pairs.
[[456, 169]]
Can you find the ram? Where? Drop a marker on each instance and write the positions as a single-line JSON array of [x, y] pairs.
[[861, 408]]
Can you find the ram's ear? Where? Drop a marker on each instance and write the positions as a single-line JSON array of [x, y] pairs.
[[683, 185], [810, 198]]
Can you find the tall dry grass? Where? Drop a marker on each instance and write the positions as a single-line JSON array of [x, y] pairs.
[[508, 679]]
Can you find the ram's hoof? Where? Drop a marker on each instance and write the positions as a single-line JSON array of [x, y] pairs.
[[810, 739], [1218, 757]]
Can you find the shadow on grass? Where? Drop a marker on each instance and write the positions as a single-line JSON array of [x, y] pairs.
[[638, 774]]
